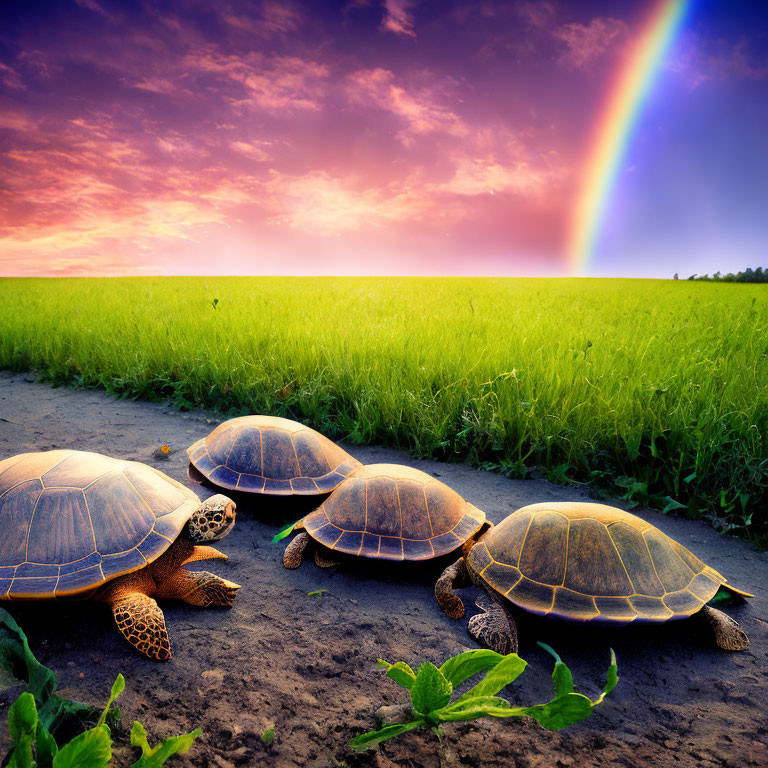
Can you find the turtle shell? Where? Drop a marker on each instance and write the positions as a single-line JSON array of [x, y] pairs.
[[72, 520], [268, 454], [393, 512], [592, 562]]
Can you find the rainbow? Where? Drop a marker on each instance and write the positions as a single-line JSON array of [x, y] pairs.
[[614, 130]]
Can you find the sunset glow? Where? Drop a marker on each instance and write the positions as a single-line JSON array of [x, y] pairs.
[[381, 137]]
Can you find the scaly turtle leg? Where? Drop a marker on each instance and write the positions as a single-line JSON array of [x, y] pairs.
[[142, 623], [453, 577], [199, 588], [727, 632], [205, 553], [294, 552], [494, 628], [324, 558]]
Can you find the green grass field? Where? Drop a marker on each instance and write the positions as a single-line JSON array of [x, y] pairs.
[[655, 390]]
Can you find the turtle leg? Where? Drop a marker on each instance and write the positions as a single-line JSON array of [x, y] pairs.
[[205, 553], [142, 624], [324, 558], [199, 588], [453, 577], [294, 552], [727, 632], [494, 628]]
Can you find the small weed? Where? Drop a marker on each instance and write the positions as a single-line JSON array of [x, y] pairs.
[[431, 689], [268, 736]]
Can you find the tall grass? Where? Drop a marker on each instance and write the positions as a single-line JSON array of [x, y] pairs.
[[657, 390]]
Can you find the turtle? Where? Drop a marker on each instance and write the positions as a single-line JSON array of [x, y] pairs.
[[389, 512], [584, 562], [271, 455], [81, 525]]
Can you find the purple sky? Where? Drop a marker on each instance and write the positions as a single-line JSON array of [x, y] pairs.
[[370, 137]]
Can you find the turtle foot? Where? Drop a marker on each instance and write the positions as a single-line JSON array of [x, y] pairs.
[[727, 633], [142, 624], [209, 590], [494, 627], [294, 552], [454, 576]]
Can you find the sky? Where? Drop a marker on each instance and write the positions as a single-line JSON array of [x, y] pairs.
[[376, 137]]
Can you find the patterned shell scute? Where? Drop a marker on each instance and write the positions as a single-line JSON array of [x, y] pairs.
[[72, 520], [268, 454], [589, 562], [393, 512]]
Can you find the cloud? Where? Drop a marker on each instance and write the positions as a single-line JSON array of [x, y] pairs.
[[252, 150], [700, 61], [92, 5], [271, 83], [88, 191], [10, 78], [398, 17], [537, 14], [275, 18], [319, 203], [419, 110], [586, 43], [476, 176]]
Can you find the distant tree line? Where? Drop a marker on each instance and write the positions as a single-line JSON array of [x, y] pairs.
[[749, 275]]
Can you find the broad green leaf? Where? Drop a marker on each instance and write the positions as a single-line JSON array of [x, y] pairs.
[[400, 672], [502, 674], [117, 688], [58, 710], [561, 675], [45, 747], [284, 532], [153, 757], [560, 712], [18, 660], [460, 668], [611, 679], [16, 656], [371, 739], [22, 723], [22, 717], [139, 738], [478, 706], [431, 690], [92, 749]]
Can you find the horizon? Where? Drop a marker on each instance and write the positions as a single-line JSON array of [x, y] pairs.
[[382, 138]]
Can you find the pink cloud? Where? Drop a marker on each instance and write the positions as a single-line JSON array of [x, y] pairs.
[[253, 150], [92, 5], [419, 110], [321, 204], [276, 18], [271, 83], [586, 43], [10, 78], [398, 17]]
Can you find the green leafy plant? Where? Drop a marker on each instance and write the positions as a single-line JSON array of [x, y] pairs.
[[90, 749], [38, 713], [19, 665], [431, 689]]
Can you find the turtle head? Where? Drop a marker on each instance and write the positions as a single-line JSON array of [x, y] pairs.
[[212, 520]]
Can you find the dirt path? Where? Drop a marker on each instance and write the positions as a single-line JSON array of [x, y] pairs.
[[306, 664]]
